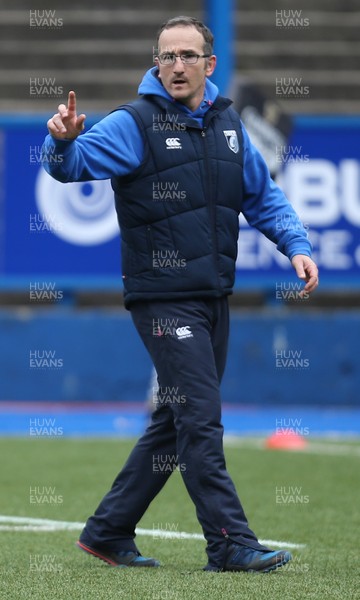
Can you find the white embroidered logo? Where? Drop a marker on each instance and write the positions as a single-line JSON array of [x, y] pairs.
[[173, 144], [232, 140], [184, 332]]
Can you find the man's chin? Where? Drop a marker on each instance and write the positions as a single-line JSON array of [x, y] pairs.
[[180, 96]]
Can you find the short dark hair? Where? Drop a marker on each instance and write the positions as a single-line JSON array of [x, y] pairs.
[[183, 21]]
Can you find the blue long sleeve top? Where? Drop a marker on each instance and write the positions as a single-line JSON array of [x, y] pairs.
[[114, 147]]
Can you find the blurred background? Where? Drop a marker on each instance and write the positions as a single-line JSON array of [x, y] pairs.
[[68, 347]]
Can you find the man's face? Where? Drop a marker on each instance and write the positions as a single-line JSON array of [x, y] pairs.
[[185, 83]]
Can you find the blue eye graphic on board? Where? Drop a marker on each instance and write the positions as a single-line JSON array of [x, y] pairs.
[[79, 213]]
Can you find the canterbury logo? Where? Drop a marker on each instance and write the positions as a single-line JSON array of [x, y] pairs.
[[173, 144], [184, 332]]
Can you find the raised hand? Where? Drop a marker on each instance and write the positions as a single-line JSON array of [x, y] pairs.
[[65, 124]]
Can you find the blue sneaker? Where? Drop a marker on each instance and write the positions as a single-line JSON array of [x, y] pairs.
[[120, 559], [243, 558]]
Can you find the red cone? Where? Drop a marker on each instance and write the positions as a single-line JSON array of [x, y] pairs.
[[286, 441]]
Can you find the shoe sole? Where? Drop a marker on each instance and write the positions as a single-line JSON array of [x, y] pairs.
[[286, 558], [108, 560], [92, 552], [270, 568]]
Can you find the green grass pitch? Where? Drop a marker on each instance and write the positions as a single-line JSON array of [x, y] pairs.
[[309, 498]]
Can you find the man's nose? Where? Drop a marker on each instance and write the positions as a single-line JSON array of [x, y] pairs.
[[178, 63]]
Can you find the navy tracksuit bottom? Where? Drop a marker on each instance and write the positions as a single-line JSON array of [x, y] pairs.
[[187, 341]]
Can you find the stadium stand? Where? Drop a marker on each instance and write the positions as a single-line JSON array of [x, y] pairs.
[[102, 51]]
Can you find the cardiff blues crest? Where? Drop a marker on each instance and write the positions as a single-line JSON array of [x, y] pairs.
[[232, 140]]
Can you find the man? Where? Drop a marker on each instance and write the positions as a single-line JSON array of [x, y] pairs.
[[178, 260]]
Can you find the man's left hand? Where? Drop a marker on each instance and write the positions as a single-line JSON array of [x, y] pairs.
[[307, 270]]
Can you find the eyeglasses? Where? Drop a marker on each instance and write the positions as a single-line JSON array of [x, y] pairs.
[[188, 59]]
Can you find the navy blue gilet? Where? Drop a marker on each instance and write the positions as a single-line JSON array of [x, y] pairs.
[[178, 211]]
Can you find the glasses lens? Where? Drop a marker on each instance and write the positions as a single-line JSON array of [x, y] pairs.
[[166, 59], [169, 59], [189, 59]]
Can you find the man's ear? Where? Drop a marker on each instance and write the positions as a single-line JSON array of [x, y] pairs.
[[156, 63], [210, 66]]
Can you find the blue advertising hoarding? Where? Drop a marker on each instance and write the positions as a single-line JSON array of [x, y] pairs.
[[321, 177], [64, 231], [69, 232]]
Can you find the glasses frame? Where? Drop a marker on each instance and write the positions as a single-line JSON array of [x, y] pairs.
[[183, 57]]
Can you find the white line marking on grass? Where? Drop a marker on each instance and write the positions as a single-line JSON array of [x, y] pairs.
[[33, 521], [313, 447], [32, 524]]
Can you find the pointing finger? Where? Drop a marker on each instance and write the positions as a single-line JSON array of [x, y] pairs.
[[71, 103]]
